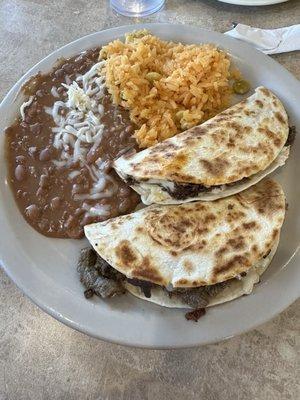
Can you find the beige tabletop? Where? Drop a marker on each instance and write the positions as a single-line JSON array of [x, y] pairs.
[[41, 358]]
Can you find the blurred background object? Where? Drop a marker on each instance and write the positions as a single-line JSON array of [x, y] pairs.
[[136, 8]]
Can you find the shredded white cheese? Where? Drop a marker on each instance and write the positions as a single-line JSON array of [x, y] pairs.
[[78, 130], [25, 105], [78, 119]]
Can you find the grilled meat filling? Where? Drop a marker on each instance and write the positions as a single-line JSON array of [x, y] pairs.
[[99, 278]]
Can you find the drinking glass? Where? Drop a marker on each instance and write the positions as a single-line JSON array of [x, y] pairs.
[[136, 8]]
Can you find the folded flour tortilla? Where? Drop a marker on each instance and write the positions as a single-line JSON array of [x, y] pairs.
[[221, 157], [195, 244]]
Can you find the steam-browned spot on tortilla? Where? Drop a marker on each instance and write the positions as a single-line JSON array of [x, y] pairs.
[[234, 216], [177, 162], [254, 248], [188, 266], [221, 251], [259, 103], [232, 263], [229, 112], [271, 135], [201, 229], [199, 206], [215, 167], [147, 272], [196, 133], [125, 254], [173, 253], [279, 117], [182, 177], [250, 225], [209, 218], [231, 143], [237, 243], [182, 281], [139, 229], [274, 234], [266, 92], [233, 125]]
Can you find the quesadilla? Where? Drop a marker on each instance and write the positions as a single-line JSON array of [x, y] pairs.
[[189, 255], [221, 157]]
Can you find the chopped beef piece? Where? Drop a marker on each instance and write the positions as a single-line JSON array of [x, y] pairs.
[[213, 290], [195, 298], [198, 297], [106, 270], [88, 276], [104, 287], [144, 285], [195, 314], [87, 258], [91, 269], [89, 293], [291, 137], [182, 191], [185, 190], [130, 181]]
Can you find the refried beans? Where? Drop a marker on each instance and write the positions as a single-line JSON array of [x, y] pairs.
[[60, 150]]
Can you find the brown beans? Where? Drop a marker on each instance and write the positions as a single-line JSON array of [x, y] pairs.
[[40, 93], [67, 68], [129, 129], [71, 221], [40, 193], [45, 154], [20, 173], [79, 211], [124, 205], [33, 212], [87, 219], [44, 181], [20, 159], [124, 191], [59, 73], [47, 197], [76, 188], [33, 111], [55, 203], [44, 225], [36, 128], [60, 90]]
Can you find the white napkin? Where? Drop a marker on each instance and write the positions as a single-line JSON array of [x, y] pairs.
[[269, 41]]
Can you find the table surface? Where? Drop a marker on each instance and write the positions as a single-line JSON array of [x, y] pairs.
[[41, 358]]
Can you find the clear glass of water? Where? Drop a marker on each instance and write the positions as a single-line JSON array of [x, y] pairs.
[[136, 8]]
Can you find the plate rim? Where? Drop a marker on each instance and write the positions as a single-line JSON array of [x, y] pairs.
[[87, 330], [253, 3]]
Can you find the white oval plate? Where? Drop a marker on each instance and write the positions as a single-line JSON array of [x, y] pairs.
[[45, 269], [253, 2]]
